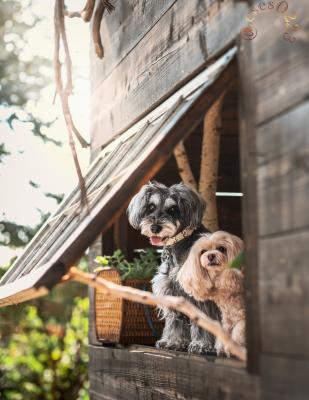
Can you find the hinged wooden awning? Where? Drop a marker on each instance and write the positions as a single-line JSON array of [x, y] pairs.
[[114, 176]]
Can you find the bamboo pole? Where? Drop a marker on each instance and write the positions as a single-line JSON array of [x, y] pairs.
[[209, 163], [171, 302]]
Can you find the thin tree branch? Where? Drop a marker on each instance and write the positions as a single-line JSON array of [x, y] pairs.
[[68, 61], [68, 64], [172, 302], [58, 15], [88, 10], [183, 165], [96, 25], [72, 14]]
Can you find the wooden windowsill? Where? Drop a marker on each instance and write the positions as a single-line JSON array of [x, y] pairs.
[[140, 372]]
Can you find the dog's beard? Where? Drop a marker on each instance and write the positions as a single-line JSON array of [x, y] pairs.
[[215, 267], [168, 230], [220, 260]]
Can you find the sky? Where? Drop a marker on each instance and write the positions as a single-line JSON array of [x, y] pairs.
[[49, 166]]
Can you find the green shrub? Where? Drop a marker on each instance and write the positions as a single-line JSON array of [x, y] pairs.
[[142, 267], [46, 360]]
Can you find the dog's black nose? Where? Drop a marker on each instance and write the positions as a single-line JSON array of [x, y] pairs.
[[211, 257], [155, 228]]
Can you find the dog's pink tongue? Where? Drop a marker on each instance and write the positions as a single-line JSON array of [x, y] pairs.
[[155, 240]]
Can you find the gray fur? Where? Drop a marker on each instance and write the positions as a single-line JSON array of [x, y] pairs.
[[190, 204], [179, 333]]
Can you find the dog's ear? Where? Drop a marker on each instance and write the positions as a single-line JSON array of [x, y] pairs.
[[234, 244], [190, 203], [191, 275], [237, 247], [137, 205], [157, 185]]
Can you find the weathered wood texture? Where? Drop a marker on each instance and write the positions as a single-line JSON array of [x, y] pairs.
[[284, 378], [148, 374], [247, 108], [283, 174], [94, 250], [152, 48], [276, 72], [284, 284]]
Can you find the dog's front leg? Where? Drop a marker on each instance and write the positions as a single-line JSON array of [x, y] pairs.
[[239, 333], [202, 342], [176, 332]]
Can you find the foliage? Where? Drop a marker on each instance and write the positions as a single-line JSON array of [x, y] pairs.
[[15, 235], [22, 79], [44, 360], [238, 261], [35, 124], [3, 152], [143, 267]]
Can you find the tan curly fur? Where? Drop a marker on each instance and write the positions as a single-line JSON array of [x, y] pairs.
[[206, 275]]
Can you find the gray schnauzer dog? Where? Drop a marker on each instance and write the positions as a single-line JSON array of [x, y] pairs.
[[172, 217]]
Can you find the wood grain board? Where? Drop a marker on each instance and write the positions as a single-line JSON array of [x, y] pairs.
[[187, 36], [275, 76], [148, 374], [278, 71], [284, 300]]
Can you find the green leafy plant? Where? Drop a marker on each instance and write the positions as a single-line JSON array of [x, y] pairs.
[[46, 360], [238, 261], [142, 267]]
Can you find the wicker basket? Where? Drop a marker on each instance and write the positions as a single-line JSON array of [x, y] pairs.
[[122, 321]]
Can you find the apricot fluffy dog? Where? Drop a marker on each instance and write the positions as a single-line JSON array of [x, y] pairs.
[[206, 275]]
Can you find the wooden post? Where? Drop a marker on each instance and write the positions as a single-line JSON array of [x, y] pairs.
[[209, 163], [183, 165]]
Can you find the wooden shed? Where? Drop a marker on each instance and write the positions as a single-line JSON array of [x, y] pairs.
[[166, 63]]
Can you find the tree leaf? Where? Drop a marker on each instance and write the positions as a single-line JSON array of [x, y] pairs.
[[238, 261]]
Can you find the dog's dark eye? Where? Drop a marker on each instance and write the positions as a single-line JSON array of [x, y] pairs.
[[172, 210], [151, 208], [204, 251], [221, 249]]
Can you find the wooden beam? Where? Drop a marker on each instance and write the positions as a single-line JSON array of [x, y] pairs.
[[210, 163], [189, 36], [183, 165], [247, 117], [142, 373]]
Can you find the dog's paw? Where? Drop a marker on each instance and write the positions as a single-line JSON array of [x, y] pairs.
[[161, 344], [221, 350], [199, 347], [177, 345]]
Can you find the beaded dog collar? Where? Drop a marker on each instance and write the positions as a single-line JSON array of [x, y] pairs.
[[180, 236]]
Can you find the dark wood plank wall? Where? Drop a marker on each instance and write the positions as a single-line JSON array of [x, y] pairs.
[[277, 72], [149, 374], [151, 49]]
